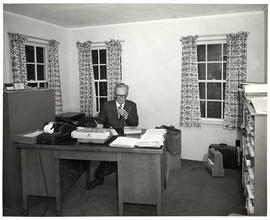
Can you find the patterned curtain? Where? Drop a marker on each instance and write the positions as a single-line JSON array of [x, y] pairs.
[[87, 84], [236, 74], [114, 71], [190, 115], [54, 75], [18, 58]]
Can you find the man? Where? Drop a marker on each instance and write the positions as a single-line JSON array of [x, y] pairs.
[[115, 114]]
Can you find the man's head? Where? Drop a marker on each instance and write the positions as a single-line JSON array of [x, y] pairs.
[[121, 92]]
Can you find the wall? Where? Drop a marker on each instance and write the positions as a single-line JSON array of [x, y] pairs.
[[152, 65], [20, 24], [152, 68]]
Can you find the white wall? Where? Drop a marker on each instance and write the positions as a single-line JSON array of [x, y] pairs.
[[152, 65], [27, 26]]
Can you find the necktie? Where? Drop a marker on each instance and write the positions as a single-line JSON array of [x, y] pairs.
[[119, 107]]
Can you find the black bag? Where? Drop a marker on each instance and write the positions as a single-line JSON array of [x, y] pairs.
[[229, 154], [74, 118], [61, 134], [173, 139]]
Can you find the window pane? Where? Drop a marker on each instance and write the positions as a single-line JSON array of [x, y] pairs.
[[213, 109], [97, 104], [225, 52], [214, 52], [96, 88], [214, 91], [201, 70], [202, 109], [95, 68], [95, 56], [102, 100], [103, 72], [223, 103], [201, 52], [102, 56], [103, 88], [214, 71], [29, 52], [224, 70], [30, 71], [40, 72], [40, 54], [224, 86], [202, 90]]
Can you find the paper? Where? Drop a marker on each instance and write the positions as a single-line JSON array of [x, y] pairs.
[[132, 130], [113, 131], [126, 142], [152, 138], [33, 134]]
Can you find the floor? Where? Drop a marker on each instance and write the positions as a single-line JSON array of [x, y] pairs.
[[191, 191]]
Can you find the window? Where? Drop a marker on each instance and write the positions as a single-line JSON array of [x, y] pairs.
[[99, 62], [212, 78], [36, 56]]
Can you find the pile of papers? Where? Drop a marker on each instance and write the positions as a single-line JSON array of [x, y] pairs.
[[255, 88], [91, 135], [260, 104], [152, 138], [132, 130], [126, 142]]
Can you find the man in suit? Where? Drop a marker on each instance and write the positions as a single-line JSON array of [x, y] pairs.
[[115, 114]]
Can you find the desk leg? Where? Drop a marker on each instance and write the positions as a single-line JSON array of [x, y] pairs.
[[120, 185], [24, 181], [159, 185], [57, 186]]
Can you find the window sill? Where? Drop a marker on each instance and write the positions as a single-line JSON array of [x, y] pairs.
[[212, 122]]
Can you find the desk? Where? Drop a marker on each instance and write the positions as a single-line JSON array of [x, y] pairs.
[[140, 171]]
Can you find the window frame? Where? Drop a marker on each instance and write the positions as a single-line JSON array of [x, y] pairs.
[[98, 96], [45, 46], [206, 41]]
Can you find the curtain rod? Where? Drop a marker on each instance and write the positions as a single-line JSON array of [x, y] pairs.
[[37, 38]]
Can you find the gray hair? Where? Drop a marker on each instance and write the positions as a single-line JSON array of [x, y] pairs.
[[121, 85]]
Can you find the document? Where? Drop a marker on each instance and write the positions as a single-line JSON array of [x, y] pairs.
[[152, 138], [33, 134], [126, 142], [132, 130]]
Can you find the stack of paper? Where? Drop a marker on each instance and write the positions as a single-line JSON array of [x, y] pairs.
[[152, 138], [126, 142], [132, 130]]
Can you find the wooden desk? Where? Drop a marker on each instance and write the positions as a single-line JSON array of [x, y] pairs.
[[140, 171]]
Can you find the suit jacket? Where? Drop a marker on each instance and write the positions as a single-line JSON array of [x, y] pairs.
[[108, 115]]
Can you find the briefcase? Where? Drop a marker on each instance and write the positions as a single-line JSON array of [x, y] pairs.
[[61, 134], [229, 154], [75, 118]]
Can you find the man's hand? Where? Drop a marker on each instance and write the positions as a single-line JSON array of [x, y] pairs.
[[123, 113], [99, 126]]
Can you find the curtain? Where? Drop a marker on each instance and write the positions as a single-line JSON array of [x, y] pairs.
[[87, 84], [54, 75], [236, 74], [18, 57], [114, 72], [190, 115]]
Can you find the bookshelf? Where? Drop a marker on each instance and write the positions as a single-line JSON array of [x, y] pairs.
[[254, 158]]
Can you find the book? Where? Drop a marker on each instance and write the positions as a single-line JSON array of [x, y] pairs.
[[126, 142]]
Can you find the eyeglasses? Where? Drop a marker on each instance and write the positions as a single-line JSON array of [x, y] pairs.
[[121, 96]]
